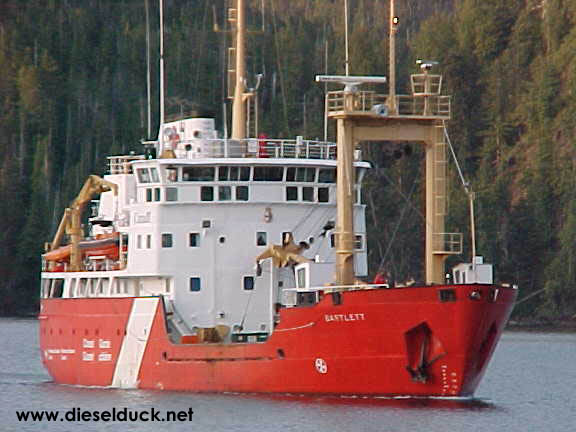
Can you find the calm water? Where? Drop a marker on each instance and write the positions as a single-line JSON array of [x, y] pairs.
[[530, 386]]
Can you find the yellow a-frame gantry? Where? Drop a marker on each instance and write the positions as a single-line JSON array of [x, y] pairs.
[[419, 117]]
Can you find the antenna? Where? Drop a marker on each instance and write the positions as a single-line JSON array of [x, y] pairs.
[[394, 20], [148, 83], [161, 137]]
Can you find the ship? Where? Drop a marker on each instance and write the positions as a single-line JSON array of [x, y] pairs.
[[239, 264]]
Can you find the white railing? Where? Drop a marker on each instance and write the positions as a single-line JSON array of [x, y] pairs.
[[255, 148]]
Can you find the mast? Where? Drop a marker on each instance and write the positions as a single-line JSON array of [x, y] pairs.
[[162, 116], [392, 61], [239, 103], [148, 79]]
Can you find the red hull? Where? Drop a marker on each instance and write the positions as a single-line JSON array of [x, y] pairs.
[[365, 345]]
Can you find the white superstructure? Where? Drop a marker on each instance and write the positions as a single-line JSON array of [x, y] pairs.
[[193, 226]]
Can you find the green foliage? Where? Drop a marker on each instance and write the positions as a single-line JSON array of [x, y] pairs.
[[73, 90]]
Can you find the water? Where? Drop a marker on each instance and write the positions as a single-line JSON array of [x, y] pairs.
[[530, 386]]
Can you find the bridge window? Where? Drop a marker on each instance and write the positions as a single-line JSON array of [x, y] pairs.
[[234, 173], [143, 175], [241, 193], [198, 173], [268, 173], [154, 175], [327, 175], [195, 284], [323, 194], [172, 174], [301, 174]]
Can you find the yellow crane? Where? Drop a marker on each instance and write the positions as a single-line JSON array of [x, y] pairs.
[[70, 223]]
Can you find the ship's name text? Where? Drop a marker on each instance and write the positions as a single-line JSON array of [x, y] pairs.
[[344, 317]]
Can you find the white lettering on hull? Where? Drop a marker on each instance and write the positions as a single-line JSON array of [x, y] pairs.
[[349, 317]]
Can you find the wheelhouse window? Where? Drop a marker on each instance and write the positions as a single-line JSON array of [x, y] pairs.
[[268, 173], [301, 174], [195, 284], [154, 175], [167, 241], [234, 173], [327, 175], [143, 175], [207, 193], [198, 173], [172, 174]]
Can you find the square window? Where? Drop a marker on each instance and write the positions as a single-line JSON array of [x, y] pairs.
[[241, 193], [323, 194], [167, 240], [248, 283], [206, 223], [224, 193], [195, 284], [207, 193], [148, 195], [156, 194], [171, 194], [291, 193], [261, 238], [307, 194], [194, 240]]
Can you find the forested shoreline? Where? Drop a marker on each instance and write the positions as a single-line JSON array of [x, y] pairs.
[[73, 91]]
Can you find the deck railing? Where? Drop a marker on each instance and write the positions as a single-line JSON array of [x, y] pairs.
[[371, 103]]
